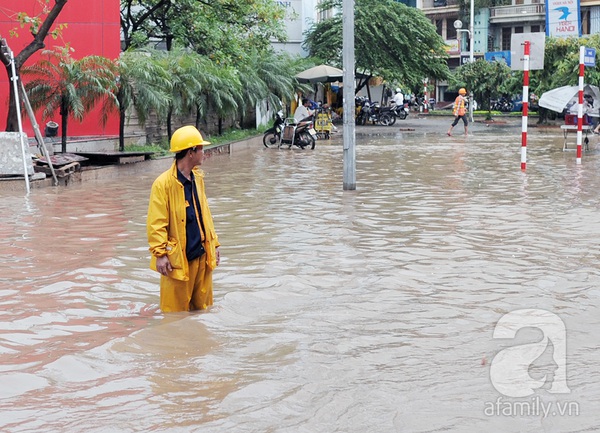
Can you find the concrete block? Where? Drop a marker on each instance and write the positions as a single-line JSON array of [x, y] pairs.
[[11, 154]]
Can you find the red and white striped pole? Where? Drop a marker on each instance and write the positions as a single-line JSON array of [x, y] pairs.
[[525, 106], [425, 98], [580, 107]]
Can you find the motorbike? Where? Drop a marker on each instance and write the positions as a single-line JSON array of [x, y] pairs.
[[373, 112], [288, 132], [400, 111], [503, 104]]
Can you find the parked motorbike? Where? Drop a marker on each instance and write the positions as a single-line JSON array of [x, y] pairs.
[[503, 104], [373, 112], [288, 132]]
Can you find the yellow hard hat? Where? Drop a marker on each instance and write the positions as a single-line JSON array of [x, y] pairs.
[[186, 137], [462, 91]]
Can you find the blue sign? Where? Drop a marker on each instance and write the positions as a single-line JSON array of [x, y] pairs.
[[494, 56], [589, 57]]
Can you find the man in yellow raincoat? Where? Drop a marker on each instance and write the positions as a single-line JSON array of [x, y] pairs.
[[180, 228]]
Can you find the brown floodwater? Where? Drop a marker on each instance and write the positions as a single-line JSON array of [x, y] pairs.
[[362, 311]]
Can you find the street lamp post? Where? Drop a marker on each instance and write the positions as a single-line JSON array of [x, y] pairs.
[[458, 27], [471, 55]]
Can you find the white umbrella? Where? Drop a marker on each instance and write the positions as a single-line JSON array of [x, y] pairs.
[[321, 74], [568, 97]]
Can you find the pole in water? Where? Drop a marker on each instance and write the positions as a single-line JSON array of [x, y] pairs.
[[349, 86], [14, 78], [580, 105], [525, 105]]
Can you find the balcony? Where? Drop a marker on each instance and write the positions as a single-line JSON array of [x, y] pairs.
[[518, 13], [430, 4]]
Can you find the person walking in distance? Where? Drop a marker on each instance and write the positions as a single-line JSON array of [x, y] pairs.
[[459, 110], [180, 228]]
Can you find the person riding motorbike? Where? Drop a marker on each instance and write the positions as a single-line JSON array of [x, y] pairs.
[[302, 112], [398, 98]]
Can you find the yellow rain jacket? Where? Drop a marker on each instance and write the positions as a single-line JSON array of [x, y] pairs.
[[167, 218]]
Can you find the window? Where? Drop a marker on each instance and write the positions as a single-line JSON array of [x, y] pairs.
[[439, 26], [451, 32], [506, 32]]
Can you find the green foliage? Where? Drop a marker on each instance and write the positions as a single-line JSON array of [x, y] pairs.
[[561, 63], [270, 76], [143, 84], [220, 29], [159, 149], [483, 79], [229, 136], [233, 135], [392, 40]]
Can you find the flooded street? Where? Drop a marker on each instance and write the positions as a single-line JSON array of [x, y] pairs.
[[367, 311]]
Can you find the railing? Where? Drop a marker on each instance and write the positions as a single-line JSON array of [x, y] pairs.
[[439, 3], [520, 10]]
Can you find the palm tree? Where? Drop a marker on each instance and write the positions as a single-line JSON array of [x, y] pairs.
[[278, 71], [142, 85], [221, 90], [184, 72], [73, 87]]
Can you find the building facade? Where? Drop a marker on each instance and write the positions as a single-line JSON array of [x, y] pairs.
[[493, 28], [300, 15], [92, 28]]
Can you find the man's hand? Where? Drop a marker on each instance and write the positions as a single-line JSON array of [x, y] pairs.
[[163, 265]]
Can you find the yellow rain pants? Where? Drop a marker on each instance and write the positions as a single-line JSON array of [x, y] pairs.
[[178, 295]]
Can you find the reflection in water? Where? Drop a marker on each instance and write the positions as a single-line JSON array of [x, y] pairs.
[[356, 311]]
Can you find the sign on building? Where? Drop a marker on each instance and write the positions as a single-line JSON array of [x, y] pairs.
[[452, 46], [498, 56], [563, 18], [466, 58]]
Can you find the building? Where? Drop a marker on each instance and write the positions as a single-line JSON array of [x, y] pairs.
[[93, 28], [300, 15]]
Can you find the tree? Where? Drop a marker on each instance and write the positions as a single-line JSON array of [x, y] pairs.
[[185, 73], [142, 85], [392, 40], [39, 29], [220, 89], [219, 28], [270, 76], [483, 79], [73, 87]]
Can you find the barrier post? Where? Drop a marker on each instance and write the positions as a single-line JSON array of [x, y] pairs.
[[527, 45], [580, 105]]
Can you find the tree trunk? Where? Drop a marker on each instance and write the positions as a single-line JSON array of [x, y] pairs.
[[121, 122], [542, 116], [64, 114], [121, 130], [12, 121], [169, 124]]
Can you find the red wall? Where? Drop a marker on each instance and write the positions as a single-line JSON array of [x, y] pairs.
[[92, 29]]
